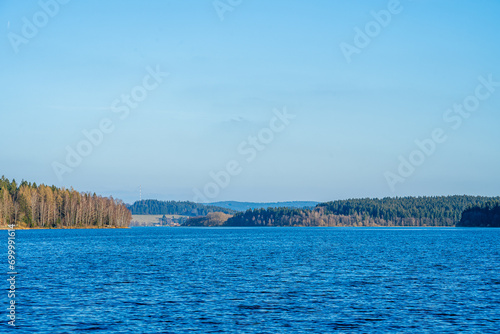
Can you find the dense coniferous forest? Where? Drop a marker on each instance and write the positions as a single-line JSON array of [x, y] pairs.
[[402, 211], [481, 216], [29, 205], [391, 209], [155, 207]]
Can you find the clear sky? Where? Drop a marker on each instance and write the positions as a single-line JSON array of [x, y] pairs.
[[277, 100]]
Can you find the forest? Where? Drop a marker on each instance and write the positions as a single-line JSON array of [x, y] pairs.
[[481, 216], [29, 205], [447, 208], [398, 211], [155, 207]]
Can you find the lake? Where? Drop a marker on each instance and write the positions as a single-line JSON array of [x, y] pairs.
[[256, 280]]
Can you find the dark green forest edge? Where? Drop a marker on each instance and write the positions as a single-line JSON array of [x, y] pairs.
[[29, 205], [402, 211], [485, 216]]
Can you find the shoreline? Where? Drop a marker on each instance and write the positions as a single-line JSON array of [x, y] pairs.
[[62, 228]]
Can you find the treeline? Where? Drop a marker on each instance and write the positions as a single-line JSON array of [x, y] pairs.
[[402, 211], [481, 216], [39, 206], [155, 207], [275, 217], [316, 217], [443, 208]]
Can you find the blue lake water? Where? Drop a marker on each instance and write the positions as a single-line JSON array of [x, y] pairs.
[[256, 280]]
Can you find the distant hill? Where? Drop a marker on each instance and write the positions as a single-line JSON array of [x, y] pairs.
[[244, 206], [155, 207]]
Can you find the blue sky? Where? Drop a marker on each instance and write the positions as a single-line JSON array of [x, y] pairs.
[[229, 74]]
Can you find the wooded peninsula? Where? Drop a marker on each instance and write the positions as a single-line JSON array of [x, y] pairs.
[[482, 216], [29, 205]]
